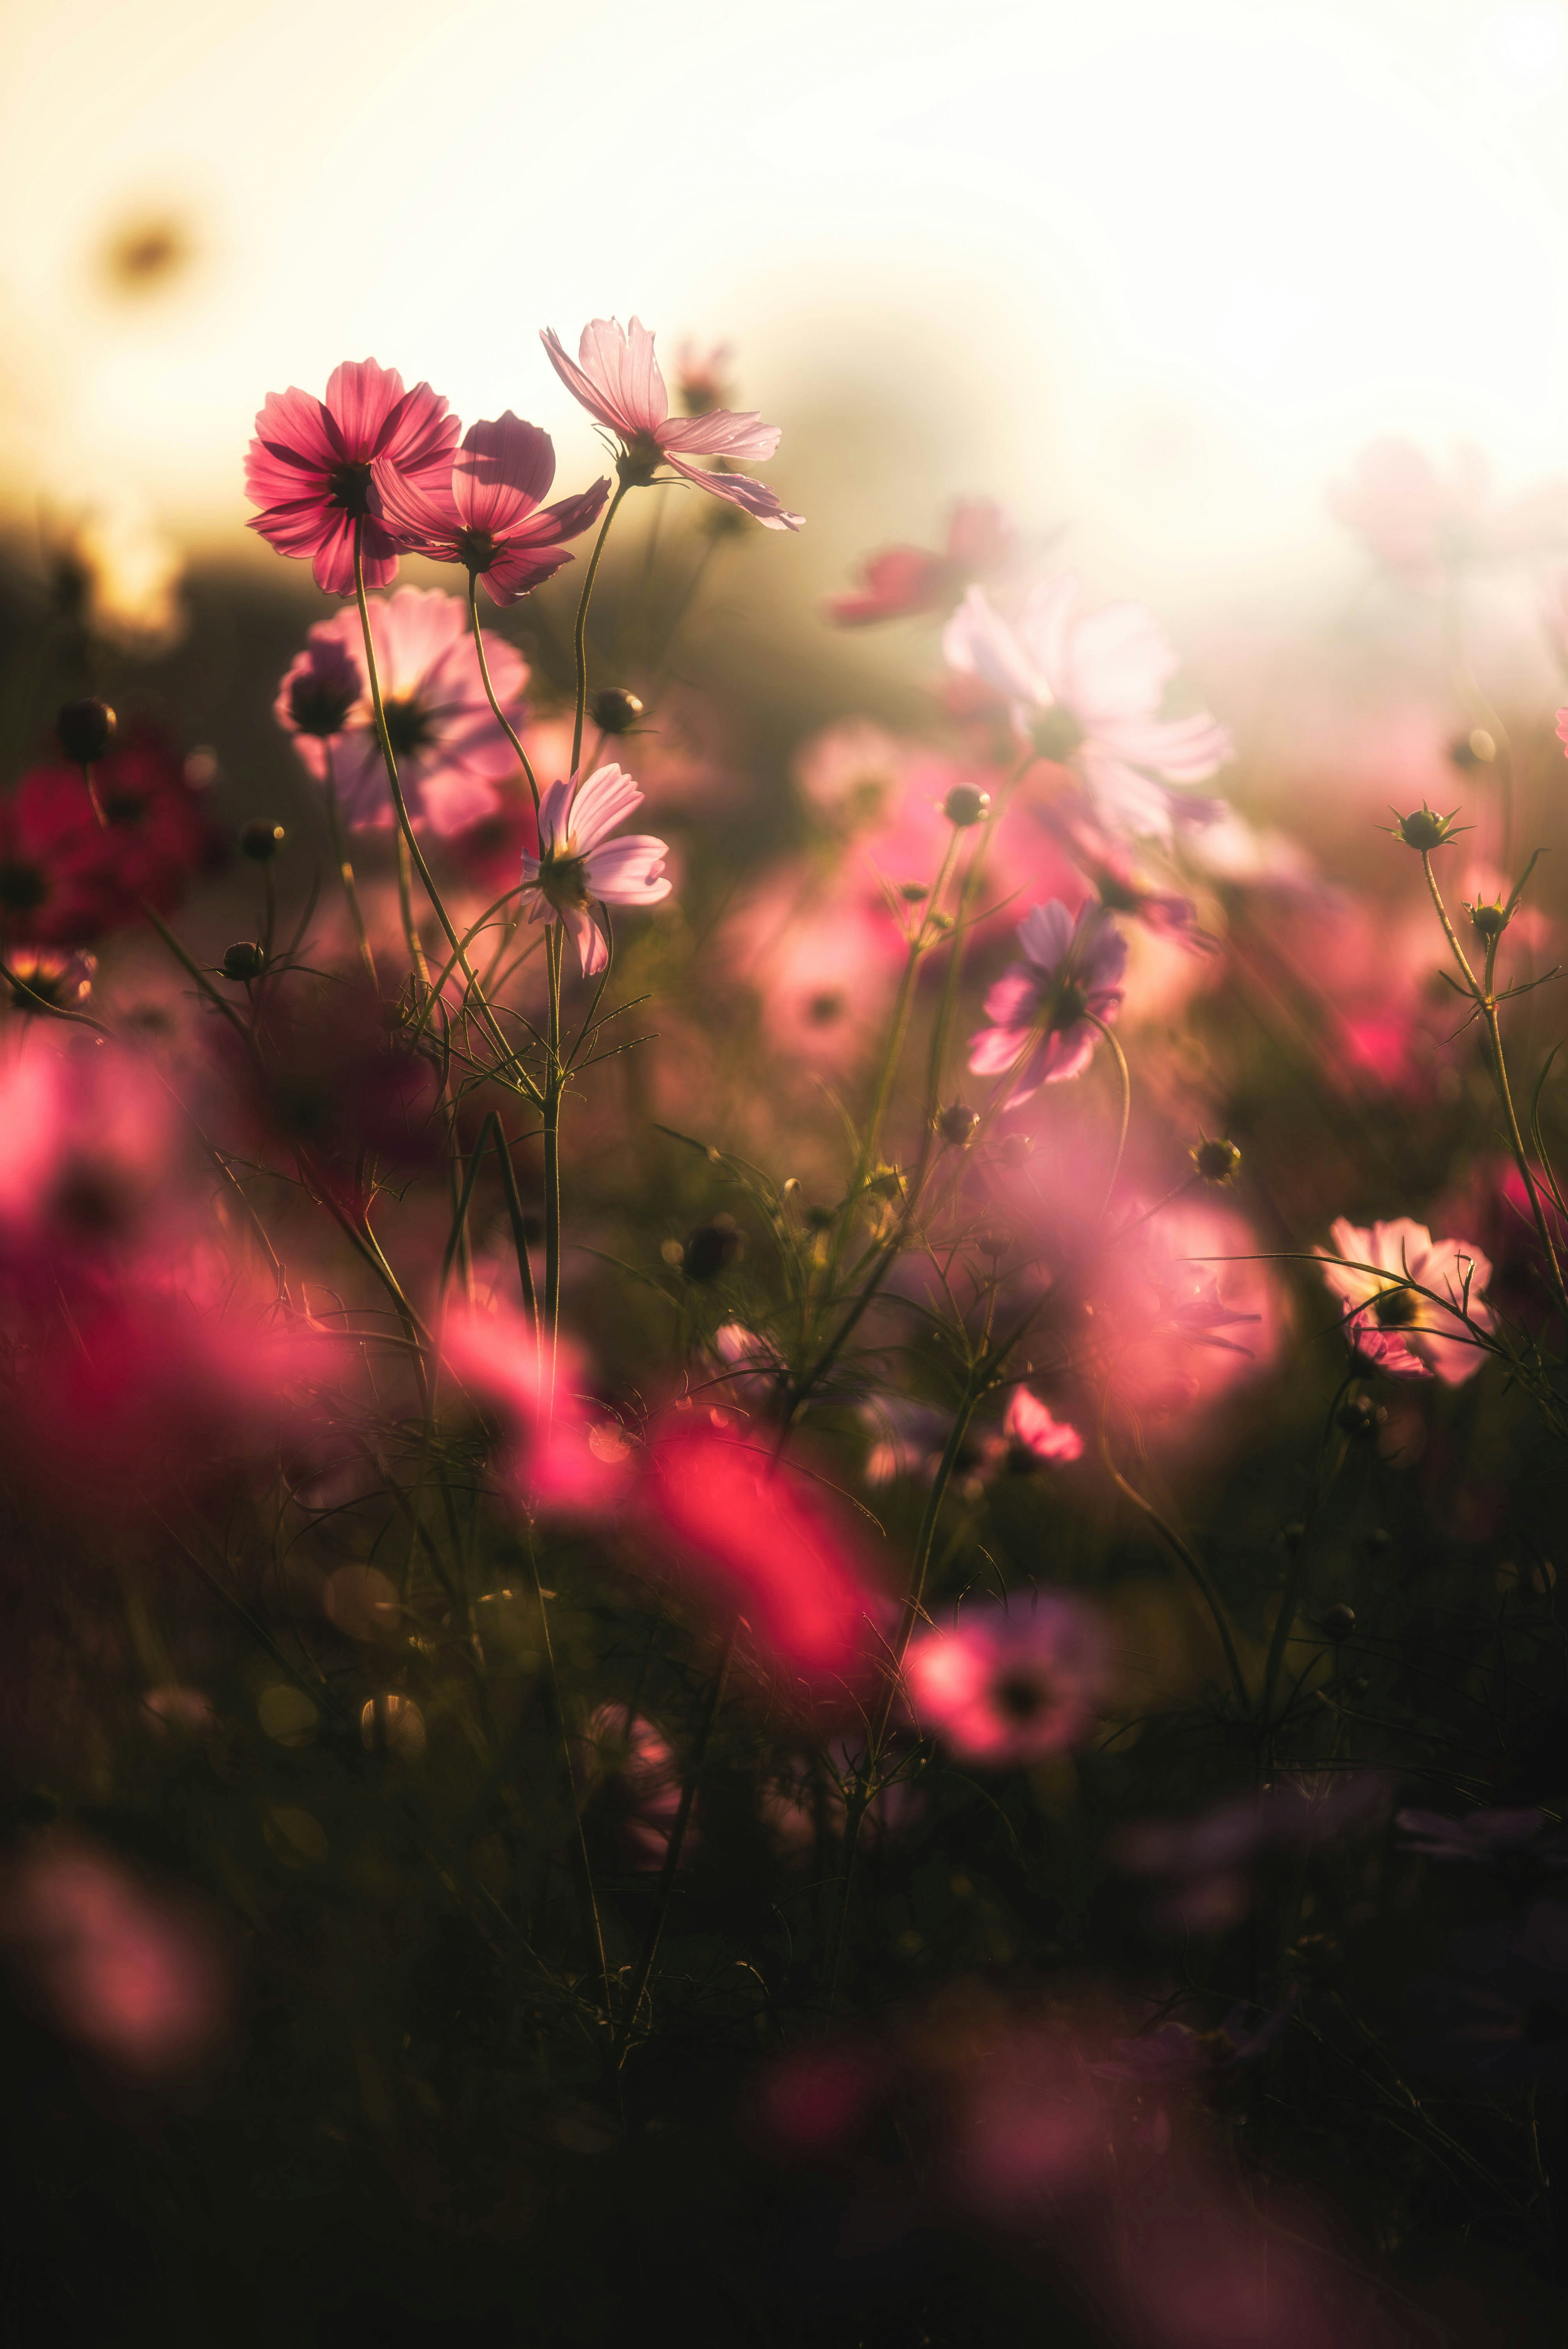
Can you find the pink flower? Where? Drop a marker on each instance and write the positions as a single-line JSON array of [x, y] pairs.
[[1030, 1435], [316, 468], [1121, 883], [1044, 1009], [1010, 1689], [578, 863], [136, 1977], [67, 880], [1408, 1335], [1420, 523], [451, 752], [1087, 691], [558, 1454], [618, 381], [701, 377], [489, 517], [636, 1780], [902, 580], [770, 1545], [90, 1154]]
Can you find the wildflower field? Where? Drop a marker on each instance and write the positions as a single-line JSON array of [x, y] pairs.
[[788, 1580]]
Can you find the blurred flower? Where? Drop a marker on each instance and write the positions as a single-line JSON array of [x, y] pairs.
[[902, 580], [451, 752], [907, 1438], [769, 1544], [1086, 691], [1203, 1866], [579, 863], [634, 1778], [1408, 1335], [616, 378], [317, 469], [1031, 1437], [1420, 523], [701, 377], [1231, 851], [46, 975], [136, 1976], [823, 968], [488, 516], [65, 880], [1006, 1689], [1500, 2019], [1121, 885], [558, 1454], [1485, 1838], [754, 1368], [1176, 2052], [1043, 1009], [90, 1149]]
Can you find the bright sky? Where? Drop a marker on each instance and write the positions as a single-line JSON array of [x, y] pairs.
[[1158, 264]]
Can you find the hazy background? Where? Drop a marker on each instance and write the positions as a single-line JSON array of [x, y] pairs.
[[1153, 269]]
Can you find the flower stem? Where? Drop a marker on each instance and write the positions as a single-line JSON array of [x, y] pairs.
[[346, 875], [502, 720], [580, 634], [1167, 1533]]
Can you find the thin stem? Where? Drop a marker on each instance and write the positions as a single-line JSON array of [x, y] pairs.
[[580, 1863], [672, 1860], [553, 1087], [1172, 1539], [1125, 1075], [502, 720], [580, 634]]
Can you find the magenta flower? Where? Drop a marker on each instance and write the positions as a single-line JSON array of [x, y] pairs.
[[1005, 1689], [901, 581], [617, 379], [578, 863], [1031, 1437], [1121, 884], [1043, 1011], [451, 752], [1086, 691], [316, 467], [557, 1454], [1408, 1334], [489, 515]]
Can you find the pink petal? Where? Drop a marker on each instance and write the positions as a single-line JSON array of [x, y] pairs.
[[424, 522], [627, 871], [601, 803], [517, 570], [1121, 664], [1045, 933], [723, 432], [295, 428], [1182, 750], [360, 398], [592, 952], [753, 497], [502, 471]]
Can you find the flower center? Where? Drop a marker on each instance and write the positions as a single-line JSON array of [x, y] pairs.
[[476, 549], [409, 727], [124, 807], [1063, 1006], [1395, 1309], [563, 880], [822, 1009], [1020, 1697], [349, 487], [23, 887], [639, 460], [1056, 733], [318, 708]]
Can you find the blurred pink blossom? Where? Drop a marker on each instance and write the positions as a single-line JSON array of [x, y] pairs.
[[489, 516], [902, 580], [579, 864], [1086, 691], [451, 752], [617, 379], [1006, 1688], [1043, 1011], [558, 1454], [1408, 1335], [317, 466], [634, 1778], [1422, 523]]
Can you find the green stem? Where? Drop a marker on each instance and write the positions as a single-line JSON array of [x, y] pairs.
[[502, 720], [580, 634], [1126, 1077], [346, 875]]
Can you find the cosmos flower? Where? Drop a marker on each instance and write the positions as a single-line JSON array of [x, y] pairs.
[[579, 864], [1006, 1689], [1031, 1438], [902, 580], [489, 516], [65, 880], [616, 378], [1043, 1011], [1408, 1335], [451, 752], [1087, 692], [635, 1782], [317, 466], [557, 1454], [1119, 881], [1419, 522]]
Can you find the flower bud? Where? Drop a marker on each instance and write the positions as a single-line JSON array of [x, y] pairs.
[[85, 731], [966, 804], [1216, 1161], [1339, 1622], [1424, 829], [1361, 1418], [956, 1124], [711, 1249], [260, 841], [244, 960], [615, 709], [1489, 921]]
